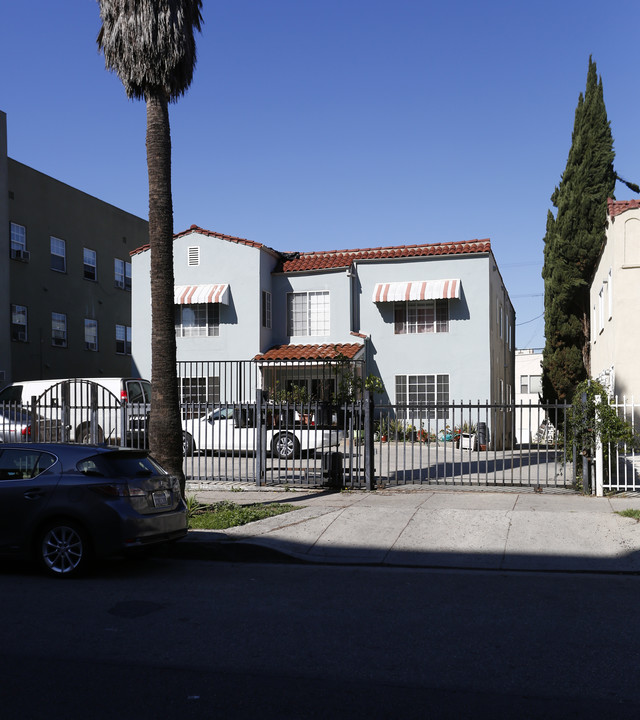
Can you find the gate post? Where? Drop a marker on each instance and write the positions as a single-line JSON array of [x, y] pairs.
[[599, 459], [261, 437], [369, 449]]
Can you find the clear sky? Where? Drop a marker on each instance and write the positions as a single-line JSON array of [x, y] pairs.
[[328, 124]]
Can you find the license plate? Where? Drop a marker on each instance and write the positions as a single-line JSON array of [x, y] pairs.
[[161, 498]]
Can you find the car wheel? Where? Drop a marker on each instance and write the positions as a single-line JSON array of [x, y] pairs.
[[287, 446], [188, 446], [83, 435], [63, 549]]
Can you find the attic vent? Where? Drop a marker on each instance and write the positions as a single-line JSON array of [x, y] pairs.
[[193, 255]]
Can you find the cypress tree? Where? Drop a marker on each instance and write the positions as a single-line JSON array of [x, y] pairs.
[[572, 243]]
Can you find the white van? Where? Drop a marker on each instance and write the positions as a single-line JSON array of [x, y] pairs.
[[86, 409]]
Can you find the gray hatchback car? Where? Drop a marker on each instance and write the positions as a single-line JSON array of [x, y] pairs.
[[66, 504]]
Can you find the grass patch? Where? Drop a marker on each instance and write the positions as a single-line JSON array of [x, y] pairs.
[[630, 513], [226, 514]]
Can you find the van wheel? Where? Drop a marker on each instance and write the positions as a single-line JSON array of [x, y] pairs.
[[188, 446], [63, 549]]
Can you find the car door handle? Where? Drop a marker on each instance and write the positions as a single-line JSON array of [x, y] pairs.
[[34, 494]]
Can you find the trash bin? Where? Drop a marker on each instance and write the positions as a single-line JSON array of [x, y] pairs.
[[483, 436], [332, 469]]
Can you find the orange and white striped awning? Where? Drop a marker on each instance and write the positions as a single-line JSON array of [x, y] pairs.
[[200, 294], [417, 290]]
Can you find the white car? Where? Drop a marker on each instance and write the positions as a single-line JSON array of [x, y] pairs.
[[232, 429]]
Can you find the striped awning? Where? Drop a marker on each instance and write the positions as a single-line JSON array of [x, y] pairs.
[[417, 290], [200, 294]]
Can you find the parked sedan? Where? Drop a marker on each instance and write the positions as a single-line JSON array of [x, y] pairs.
[[14, 424], [234, 430], [65, 504]]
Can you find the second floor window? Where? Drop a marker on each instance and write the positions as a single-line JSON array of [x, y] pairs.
[[90, 265], [19, 242], [266, 309], [123, 340], [308, 313], [58, 255], [58, 329], [122, 274], [19, 323], [424, 316], [202, 320], [91, 334]]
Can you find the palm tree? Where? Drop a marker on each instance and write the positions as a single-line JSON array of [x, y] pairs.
[[150, 46]]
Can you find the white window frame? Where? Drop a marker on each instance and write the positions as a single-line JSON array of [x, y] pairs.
[[309, 313], [59, 329], [610, 293], [18, 249], [198, 320], [123, 340], [91, 334], [122, 274], [266, 309], [422, 316], [19, 323], [423, 389], [601, 295], [58, 250], [90, 264]]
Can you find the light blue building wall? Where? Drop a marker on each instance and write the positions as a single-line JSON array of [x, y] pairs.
[[245, 268], [335, 282], [462, 353]]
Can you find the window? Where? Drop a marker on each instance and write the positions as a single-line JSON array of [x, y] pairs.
[[123, 340], [90, 334], [19, 323], [425, 316], [200, 389], [122, 271], [193, 256], [202, 320], [429, 390], [58, 329], [266, 309], [610, 294], [58, 255], [601, 295], [90, 265], [19, 242], [531, 384], [308, 313]]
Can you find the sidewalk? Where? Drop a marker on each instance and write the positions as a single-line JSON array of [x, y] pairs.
[[417, 527]]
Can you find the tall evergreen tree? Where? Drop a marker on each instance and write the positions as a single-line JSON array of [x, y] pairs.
[[150, 45], [574, 237]]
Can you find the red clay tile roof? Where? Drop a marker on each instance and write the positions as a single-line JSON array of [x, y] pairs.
[[208, 233], [310, 352], [323, 260], [616, 207]]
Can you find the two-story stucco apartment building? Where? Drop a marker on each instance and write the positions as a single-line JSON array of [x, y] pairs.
[[433, 321], [65, 278], [615, 300]]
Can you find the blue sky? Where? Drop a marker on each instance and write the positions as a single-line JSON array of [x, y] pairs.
[[327, 124]]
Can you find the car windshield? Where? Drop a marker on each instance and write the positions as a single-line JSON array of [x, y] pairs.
[[11, 394]]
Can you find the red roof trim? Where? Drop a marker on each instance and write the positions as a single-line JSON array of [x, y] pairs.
[[323, 260], [310, 352], [617, 207]]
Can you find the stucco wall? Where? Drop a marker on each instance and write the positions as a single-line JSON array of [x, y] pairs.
[[615, 332], [462, 353], [5, 317], [47, 207]]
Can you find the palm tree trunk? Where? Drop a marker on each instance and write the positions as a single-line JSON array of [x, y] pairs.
[[165, 432]]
